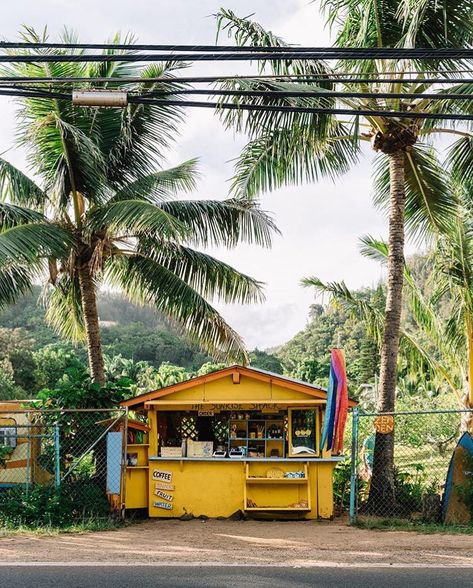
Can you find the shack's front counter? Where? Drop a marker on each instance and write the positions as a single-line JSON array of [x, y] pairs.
[[237, 439], [219, 487]]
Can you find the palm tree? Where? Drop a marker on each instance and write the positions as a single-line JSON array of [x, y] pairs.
[[106, 213], [290, 148], [439, 347]]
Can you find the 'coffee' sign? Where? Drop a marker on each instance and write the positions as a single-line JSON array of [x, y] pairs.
[[162, 475]]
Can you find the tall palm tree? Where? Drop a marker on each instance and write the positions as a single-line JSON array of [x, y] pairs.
[[440, 346], [105, 212], [290, 148]]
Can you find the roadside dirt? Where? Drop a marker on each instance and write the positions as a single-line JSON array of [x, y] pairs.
[[241, 542]]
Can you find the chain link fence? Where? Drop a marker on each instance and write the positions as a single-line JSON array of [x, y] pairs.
[[432, 479], [61, 459]]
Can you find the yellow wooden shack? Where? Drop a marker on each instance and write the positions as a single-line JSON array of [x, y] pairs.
[[236, 439]]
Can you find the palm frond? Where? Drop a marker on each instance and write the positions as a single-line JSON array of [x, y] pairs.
[[27, 242], [18, 188], [285, 157], [431, 24], [223, 223], [146, 282], [138, 138], [355, 306], [16, 280], [64, 308], [161, 185], [460, 160], [423, 309], [248, 32], [205, 274], [12, 215], [411, 348], [135, 217]]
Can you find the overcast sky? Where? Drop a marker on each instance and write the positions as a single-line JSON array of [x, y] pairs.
[[320, 223]]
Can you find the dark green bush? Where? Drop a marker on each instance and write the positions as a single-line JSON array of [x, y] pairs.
[[40, 506], [341, 486], [409, 491], [43, 506], [87, 499]]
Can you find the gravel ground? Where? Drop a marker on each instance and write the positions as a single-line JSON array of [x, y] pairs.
[[213, 542]]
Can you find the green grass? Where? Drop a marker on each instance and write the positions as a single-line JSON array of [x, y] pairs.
[[417, 526], [86, 526]]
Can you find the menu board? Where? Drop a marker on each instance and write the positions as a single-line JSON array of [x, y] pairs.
[[303, 434]]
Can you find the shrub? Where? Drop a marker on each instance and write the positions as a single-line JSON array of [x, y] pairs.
[[40, 506], [44, 506]]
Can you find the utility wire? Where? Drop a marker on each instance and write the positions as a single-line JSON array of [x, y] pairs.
[[35, 92], [301, 110], [132, 99], [362, 54], [213, 79], [143, 99], [308, 94], [375, 53]]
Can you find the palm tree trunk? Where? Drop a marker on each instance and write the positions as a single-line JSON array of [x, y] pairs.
[[382, 499], [91, 320]]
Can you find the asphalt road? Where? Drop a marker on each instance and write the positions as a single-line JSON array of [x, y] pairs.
[[231, 577]]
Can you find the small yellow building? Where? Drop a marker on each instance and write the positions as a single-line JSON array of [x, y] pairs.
[[236, 439]]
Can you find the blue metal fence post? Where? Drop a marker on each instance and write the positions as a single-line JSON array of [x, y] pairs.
[[57, 457], [354, 457]]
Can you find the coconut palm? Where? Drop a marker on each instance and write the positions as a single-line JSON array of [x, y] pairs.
[[104, 212], [290, 148], [442, 310]]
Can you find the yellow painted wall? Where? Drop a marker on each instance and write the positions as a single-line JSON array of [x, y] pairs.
[[216, 488], [136, 480], [224, 389]]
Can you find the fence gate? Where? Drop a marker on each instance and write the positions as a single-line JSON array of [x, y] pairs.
[[424, 442]]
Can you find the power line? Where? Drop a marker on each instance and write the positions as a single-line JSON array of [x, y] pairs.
[[451, 52], [28, 93], [36, 93], [133, 99], [309, 94], [214, 79], [301, 110], [257, 55], [137, 99]]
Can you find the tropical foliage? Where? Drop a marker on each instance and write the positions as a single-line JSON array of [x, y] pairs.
[[106, 212], [438, 331]]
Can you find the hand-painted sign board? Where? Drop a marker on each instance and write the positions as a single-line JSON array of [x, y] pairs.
[[162, 475], [384, 424], [163, 486], [164, 495], [165, 505]]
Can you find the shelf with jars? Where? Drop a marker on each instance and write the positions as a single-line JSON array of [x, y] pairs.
[[257, 437]]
